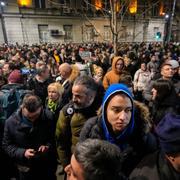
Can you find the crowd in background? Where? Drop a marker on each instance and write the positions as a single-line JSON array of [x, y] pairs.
[[55, 96]]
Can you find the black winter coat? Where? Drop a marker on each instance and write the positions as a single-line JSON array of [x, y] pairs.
[[154, 167], [18, 136]]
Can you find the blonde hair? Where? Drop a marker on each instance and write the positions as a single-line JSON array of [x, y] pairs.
[[74, 73], [57, 87], [98, 69]]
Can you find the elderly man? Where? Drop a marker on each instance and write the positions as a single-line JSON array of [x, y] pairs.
[[29, 140], [84, 105], [65, 71]]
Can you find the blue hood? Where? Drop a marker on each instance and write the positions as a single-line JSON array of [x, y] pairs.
[[120, 140]]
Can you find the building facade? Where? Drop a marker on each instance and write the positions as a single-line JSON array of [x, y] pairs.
[[62, 21]]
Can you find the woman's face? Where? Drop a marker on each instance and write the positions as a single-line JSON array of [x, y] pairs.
[[119, 111], [119, 65], [99, 73], [53, 95], [55, 52], [143, 66]]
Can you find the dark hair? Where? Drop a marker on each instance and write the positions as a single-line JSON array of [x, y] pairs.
[[164, 88], [165, 101], [31, 102], [86, 81], [126, 79], [11, 65], [100, 160], [41, 69], [165, 64]]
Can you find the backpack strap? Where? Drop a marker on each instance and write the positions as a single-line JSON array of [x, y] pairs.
[[6, 98]]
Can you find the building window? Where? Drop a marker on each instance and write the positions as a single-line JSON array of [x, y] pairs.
[[107, 33], [43, 33], [155, 11], [40, 4], [64, 2], [89, 31], [156, 29], [68, 32]]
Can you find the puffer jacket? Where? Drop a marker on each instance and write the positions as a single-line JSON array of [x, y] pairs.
[[135, 140], [141, 79]]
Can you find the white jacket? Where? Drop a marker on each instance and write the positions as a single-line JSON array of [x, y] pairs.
[[141, 79]]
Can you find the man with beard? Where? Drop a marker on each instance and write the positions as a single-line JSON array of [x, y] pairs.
[[84, 105]]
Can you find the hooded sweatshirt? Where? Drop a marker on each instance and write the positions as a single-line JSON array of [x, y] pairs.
[[121, 139], [112, 77]]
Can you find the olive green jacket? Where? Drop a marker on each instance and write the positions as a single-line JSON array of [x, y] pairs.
[[68, 130]]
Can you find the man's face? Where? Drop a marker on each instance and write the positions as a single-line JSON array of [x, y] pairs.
[[119, 112], [167, 71], [31, 116], [153, 58], [32, 65], [45, 74], [81, 97], [6, 69], [74, 170], [63, 72], [119, 65]]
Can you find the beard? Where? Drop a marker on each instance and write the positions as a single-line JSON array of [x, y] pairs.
[[83, 105]]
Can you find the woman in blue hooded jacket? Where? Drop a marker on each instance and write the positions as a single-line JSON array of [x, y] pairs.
[[123, 122]]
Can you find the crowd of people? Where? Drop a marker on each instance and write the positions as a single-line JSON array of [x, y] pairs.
[[85, 112]]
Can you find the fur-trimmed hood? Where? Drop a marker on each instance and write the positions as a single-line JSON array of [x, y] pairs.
[[143, 115]]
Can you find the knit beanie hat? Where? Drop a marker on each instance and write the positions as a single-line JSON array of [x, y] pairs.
[[174, 63], [15, 77], [168, 131]]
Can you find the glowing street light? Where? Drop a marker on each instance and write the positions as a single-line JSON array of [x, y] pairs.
[[2, 3], [167, 16]]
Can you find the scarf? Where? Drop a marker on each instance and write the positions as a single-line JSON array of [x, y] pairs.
[[57, 58], [52, 106]]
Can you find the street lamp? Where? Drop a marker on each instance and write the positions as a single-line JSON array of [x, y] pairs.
[[166, 16], [2, 4], [133, 10], [171, 21]]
